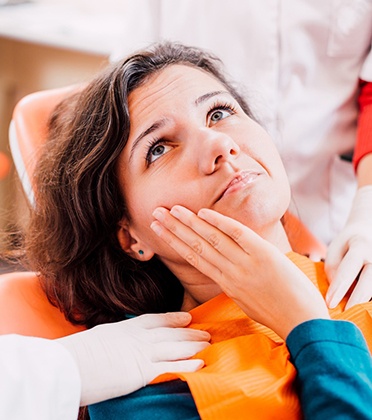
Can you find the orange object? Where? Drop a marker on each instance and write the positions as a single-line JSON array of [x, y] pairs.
[[4, 165], [301, 239], [28, 130], [247, 370], [25, 309]]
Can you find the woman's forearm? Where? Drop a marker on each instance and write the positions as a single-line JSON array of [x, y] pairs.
[[334, 370]]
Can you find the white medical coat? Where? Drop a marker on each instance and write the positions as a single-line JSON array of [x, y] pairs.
[[39, 380], [300, 61]]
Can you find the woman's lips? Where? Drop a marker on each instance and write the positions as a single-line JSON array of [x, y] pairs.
[[240, 181]]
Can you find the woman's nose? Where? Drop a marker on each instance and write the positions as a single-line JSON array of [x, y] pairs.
[[214, 149]]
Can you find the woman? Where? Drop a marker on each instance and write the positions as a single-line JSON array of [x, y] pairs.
[[286, 52], [161, 131]]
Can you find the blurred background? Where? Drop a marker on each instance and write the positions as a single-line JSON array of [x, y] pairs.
[[46, 44]]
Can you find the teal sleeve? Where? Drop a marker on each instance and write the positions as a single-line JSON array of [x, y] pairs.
[[164, 401], [334, 370]]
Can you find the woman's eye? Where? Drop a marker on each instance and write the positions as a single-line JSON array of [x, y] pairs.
[[157, 151], [219, 115]]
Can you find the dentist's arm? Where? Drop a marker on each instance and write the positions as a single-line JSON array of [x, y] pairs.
[[119, 358], [350, 253], [44, 379]]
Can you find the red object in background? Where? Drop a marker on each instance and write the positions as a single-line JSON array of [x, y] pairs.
[[4, 165]]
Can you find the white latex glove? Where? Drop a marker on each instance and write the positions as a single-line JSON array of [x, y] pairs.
[[350, 253], [119, 358]]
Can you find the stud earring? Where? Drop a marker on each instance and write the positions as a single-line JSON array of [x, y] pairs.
[[140, 252]]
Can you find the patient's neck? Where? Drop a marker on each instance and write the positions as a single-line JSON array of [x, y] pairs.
[[279, 238]]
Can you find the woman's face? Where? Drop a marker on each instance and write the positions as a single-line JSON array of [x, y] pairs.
[[191, 144]]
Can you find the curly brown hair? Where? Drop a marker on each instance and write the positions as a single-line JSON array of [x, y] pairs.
[[72, 237]]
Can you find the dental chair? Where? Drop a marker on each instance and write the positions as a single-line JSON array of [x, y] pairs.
[[24, 307]]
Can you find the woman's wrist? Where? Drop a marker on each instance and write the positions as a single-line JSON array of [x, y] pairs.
[[321, 330]]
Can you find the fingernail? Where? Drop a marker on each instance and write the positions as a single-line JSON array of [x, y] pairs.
[[206, 214], [156, 227], [158, 214], [175, 211]]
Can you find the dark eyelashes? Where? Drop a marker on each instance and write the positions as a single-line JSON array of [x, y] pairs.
[[152, 143], [216, 106], [225, 106]]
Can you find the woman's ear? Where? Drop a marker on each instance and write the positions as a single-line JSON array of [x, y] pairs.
[[131, 244]]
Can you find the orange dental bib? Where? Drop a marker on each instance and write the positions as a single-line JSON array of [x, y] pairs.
[[247, 373]]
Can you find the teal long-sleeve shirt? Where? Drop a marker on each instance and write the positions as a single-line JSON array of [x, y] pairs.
[[334, 370], [334, 380]]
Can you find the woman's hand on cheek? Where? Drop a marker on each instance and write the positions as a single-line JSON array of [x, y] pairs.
[[254, 273]]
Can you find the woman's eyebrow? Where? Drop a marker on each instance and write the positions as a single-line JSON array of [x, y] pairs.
[[209, 95], [157, 124]]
